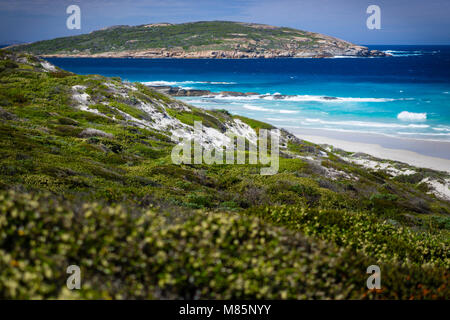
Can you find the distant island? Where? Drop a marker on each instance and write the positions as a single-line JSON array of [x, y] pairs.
[[204, 39]]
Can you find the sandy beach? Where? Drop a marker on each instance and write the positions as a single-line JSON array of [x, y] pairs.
[[420, 153]]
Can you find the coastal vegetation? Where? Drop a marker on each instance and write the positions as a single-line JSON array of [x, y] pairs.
[[86, 179]]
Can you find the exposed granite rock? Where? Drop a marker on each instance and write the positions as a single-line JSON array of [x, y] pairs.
[[182, 92], [91, 132], [7, 115], [328, 52]]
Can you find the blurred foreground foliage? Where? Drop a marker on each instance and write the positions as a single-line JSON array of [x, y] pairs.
[[143, 254]]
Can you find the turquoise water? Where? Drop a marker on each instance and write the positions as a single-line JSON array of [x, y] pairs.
[[407, 95]]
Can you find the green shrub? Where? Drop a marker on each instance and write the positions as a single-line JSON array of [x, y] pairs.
[[199, 201], [363, 232], [68, 130], [380, 202], [68, 121], [144, 254]]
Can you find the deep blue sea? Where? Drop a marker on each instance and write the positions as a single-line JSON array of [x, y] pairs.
[[407, 95]]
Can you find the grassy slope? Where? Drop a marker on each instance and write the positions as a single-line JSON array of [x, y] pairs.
[[212, 35], [141, 227]]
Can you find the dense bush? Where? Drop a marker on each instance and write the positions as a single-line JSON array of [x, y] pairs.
[[208, 34], [364, 232], [143, 254]]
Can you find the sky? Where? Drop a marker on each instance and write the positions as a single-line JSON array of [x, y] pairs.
[[402, 21]]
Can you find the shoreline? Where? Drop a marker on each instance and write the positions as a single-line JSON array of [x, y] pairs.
[[199, 58], [420, 153], [425, 154], [432, 154]]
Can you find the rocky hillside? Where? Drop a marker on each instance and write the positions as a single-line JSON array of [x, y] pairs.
[[86, 178], [211, 39]]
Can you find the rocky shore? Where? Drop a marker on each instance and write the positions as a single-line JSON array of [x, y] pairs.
[[329, 52], [183, 92]]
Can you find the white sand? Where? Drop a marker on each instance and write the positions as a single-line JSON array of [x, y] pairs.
[[409, 157]]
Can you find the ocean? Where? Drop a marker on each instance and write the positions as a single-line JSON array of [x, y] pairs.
[[406, 95]]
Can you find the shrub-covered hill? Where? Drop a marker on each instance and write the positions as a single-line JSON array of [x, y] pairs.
[[86, 178], [203, 39]]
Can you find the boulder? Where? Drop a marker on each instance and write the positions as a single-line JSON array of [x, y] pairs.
[[91, 132], [7, 115], [232, 93]]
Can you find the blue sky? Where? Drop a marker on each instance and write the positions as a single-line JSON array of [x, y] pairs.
[[402, 21]]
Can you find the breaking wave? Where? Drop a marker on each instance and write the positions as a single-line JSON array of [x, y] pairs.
[[299, 98], [412, 116], [409, 53], [256, 108], [367, 124], [181, 83]]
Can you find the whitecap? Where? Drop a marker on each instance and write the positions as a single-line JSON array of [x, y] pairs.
[[282, 119], [159, 83], [287, 111], [366, 124], [300, 98], [445, 129], [255, 108], [412, 116], [176, 83], [400, 53]]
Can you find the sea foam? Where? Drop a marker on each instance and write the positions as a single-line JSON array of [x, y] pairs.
[[181, 83], [299, 98], [256, 108], [366, 124], [412, 116]]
